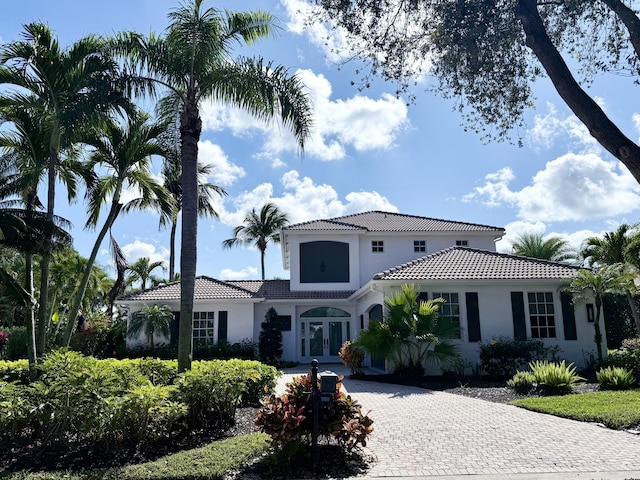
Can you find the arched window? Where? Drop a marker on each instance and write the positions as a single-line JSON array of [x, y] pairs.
[[321, 312]]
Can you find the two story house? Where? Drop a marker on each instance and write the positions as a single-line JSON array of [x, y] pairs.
[[341, 269]]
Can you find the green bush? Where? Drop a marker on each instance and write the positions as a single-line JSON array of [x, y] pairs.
[[261, 386], [288, 419], [627, 357], [502, 357], [522, 382], [15, 408], [615, 378], [554, 378], [15, 371], [16, 348]]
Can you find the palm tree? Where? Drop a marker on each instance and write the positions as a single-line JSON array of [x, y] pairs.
[[259, 229], [151, 319], [193, 61], [620, 246], [141, 270], [126, 152], [67, 90], [412, 333], [533, 245], [596, 284]]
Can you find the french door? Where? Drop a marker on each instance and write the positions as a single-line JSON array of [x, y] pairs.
[[321, 339]]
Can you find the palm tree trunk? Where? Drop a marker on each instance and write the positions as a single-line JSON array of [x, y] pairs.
[[597, 337], [172, 250], [262, 262], [190, 128], [77, 300], [45, 262], [634, 311], [32, 353]]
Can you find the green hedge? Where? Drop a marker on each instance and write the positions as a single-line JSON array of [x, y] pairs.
[[111, 403]]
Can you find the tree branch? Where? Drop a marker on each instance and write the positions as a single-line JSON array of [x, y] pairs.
[[581, 104], [630, 20]]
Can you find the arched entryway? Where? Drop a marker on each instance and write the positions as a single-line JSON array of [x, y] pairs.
[[323, 330]]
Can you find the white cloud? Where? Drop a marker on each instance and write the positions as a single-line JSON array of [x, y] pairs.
[[359, 122], [303, 200], [225, 173], [230, 274], [573, 187], [549, 127], [137, 249]]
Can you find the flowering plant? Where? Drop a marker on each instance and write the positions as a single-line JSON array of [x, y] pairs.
[[3, 339]]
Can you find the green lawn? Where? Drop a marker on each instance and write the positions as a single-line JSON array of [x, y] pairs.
[[208, 462], [615, 409]]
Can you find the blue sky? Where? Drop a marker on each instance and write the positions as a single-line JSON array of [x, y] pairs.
[[369, 150]]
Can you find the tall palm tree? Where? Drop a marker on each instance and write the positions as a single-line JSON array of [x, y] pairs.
[[67, 89], [596, 284], [193, 61], [620, 246], [126, 151], [259, 229], [141, 270], [533, 245]]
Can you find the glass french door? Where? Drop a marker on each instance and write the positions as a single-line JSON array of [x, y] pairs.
[[322, 339]]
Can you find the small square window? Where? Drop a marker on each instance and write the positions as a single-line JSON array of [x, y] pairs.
[[419, 246], [377, 246], [462, 243]]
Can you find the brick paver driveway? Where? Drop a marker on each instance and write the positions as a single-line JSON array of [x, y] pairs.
[[423, 433]]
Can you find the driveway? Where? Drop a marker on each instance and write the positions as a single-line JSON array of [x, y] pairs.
[[425, 433]]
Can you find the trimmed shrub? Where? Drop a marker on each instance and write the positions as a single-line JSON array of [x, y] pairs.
[[615, 378], [522, 382], [15, 371], [554, 378], [502, 357], [270, 340], [16, 347], [352, 356]]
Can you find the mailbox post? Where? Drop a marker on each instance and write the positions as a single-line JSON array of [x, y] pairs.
[[324, 394]]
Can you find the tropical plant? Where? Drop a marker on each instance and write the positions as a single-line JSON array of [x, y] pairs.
[[125, 151], [259, 229], [620, 246], [533, 245], [615, 378], [141, 269], [352, 356], [67, 90], [411, 333], [489, 54], [151, 319], [554, 378], [502, 357], [193, 61], [270, 339], [594, 284]]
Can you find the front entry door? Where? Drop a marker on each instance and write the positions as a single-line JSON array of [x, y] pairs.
[[325, 337]]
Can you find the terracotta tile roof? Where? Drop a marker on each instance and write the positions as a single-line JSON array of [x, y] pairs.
[[207, 288], [461, 263], [377, 221]]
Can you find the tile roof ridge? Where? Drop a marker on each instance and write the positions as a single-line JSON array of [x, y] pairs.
[[327, 220], [519, 257], [226, 283], [388, 271]]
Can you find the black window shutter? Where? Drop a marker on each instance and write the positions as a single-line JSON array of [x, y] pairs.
[[222, 325], [568, 317], [422, 297], [519, 321], [473, 316]]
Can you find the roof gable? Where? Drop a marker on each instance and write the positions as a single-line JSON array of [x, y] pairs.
[[461, 263]]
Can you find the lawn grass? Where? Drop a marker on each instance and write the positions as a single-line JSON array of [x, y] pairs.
[[209, 462], [614, 409]]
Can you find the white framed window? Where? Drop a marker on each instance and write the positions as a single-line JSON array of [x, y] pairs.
[[377, 246], [450, 308], [462, 243], [542, 314], [419, 246], [203, 328]]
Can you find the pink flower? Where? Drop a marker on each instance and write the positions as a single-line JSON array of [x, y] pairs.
[[3, 338]]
